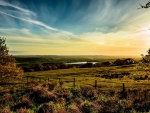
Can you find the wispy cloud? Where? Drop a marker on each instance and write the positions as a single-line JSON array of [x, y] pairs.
[[38, 23], [3, 3], [30, 21], [25, 36], [139, 17]]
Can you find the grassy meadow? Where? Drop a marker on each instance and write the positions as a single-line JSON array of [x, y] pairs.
[[105, 76]]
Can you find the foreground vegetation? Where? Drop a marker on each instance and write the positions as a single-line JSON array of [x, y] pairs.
[[51, 98]]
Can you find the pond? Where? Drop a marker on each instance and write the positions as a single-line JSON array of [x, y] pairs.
[[82, 62]]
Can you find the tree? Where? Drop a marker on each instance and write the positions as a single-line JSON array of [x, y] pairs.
[[146, 6], [8, 68], [145, 62], [148, 51]]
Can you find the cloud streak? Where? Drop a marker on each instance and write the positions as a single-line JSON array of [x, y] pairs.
[[37, 23], [3, 3], [31, 21]]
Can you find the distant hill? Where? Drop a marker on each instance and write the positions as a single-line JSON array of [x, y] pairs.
[[79, 56]]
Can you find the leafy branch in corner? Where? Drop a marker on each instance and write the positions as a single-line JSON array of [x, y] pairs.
[[146, 6]]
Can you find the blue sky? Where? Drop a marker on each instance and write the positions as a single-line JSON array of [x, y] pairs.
[[75, 27]]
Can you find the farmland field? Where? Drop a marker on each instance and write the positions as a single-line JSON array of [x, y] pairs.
[[87, 76]]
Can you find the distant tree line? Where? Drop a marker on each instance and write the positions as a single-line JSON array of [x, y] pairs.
[[56, 66], [53, 66]]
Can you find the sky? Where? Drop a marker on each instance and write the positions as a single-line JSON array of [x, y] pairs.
[[75, 27]]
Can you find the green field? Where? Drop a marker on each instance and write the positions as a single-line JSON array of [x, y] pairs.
[[87, 76]]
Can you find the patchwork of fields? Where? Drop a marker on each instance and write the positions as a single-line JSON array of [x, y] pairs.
[[133, 76]]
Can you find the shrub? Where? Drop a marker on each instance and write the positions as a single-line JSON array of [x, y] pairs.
[[73, 109], [41, 95], [63, 93], [23, 110], [50, 85], [5, 110], [78, 101], [88, 92], [74, 92], [46, 108], [32, 83], [25, 103], [86, 107], [109, 106]]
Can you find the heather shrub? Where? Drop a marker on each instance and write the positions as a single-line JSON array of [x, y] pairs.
[[32, 83], [86, 107], [50, 85], [78, 101], [46, 108], [63, 93], [107, 106], [88, 92], [25, 103], [73, 109], [74, 92], [42, 95], [122, 94], [23, 110], [5, 110]]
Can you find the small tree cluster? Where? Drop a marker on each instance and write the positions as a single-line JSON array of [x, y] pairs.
[[146, 58], [8, 67]]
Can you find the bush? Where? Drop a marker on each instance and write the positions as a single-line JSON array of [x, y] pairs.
[[25, 103], [41, 95], [50, 85], [86, 107], [46, 108], [73, 109], [5, 110], [88, 92], [23, 110]]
